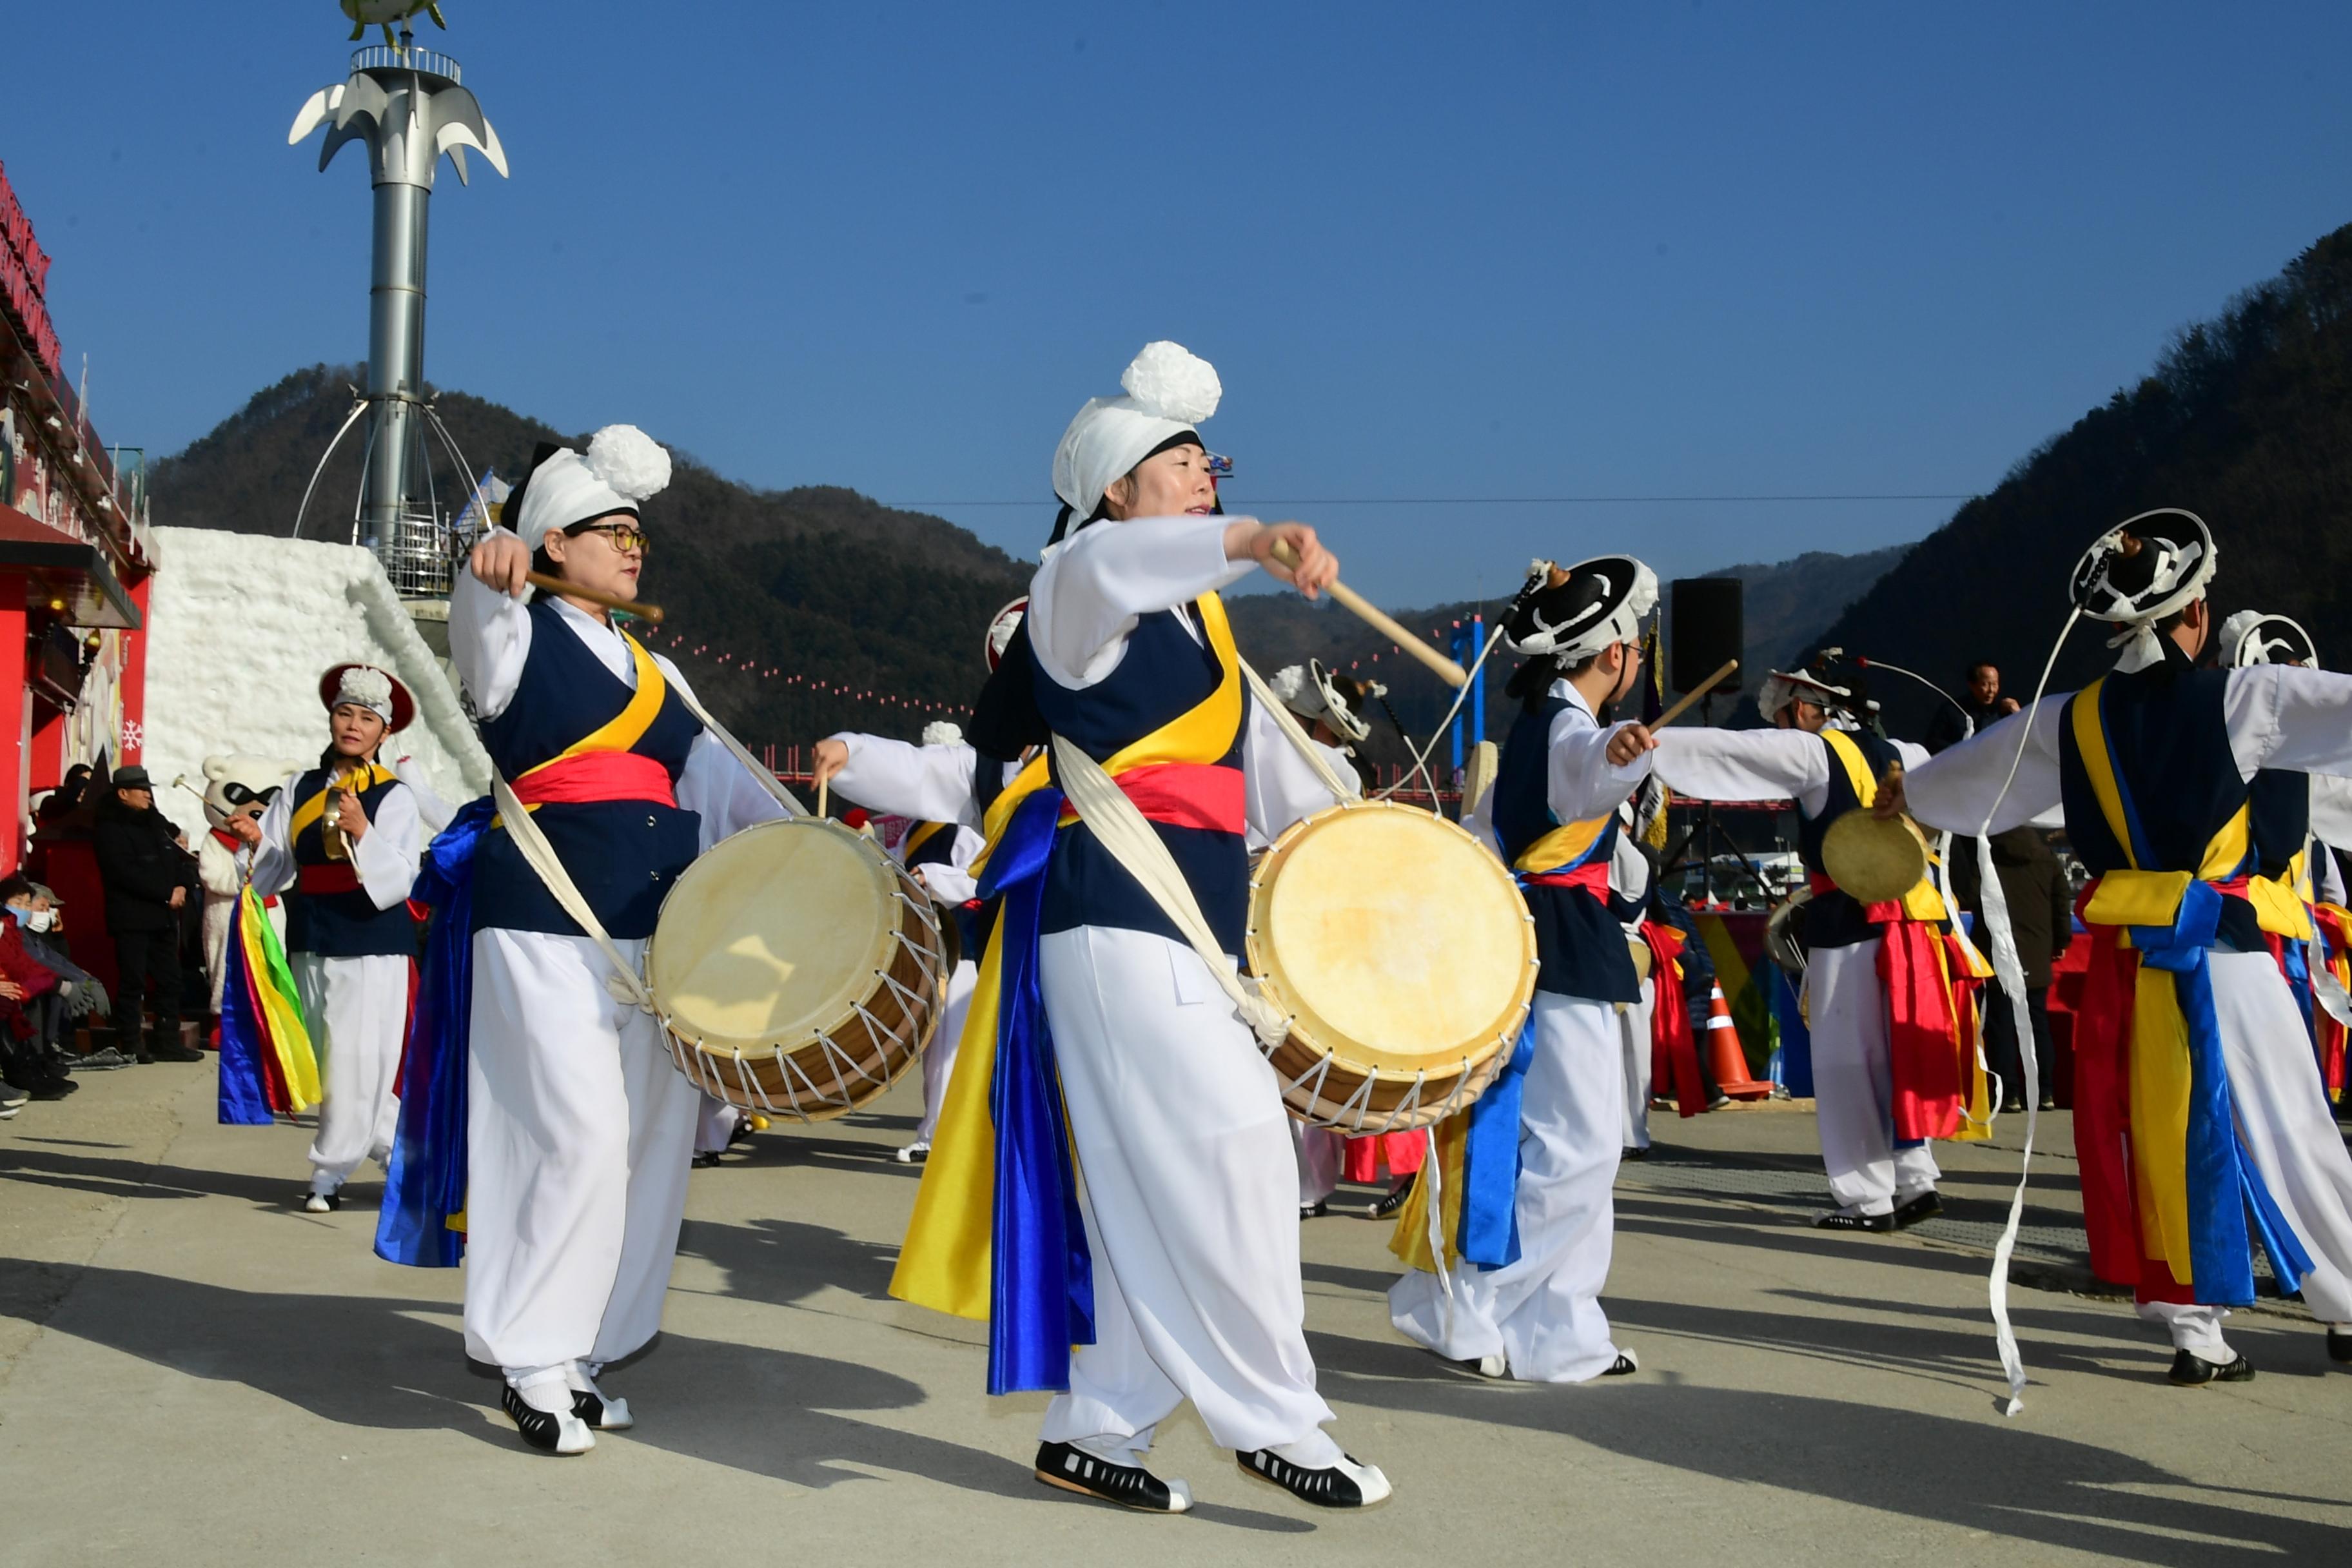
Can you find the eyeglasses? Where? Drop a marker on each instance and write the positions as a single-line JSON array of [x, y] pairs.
[[237, 794], [624, 536]]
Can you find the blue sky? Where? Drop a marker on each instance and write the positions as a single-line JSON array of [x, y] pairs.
[[1437, 252]]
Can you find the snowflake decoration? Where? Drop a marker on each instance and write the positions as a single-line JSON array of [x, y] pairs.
[[133, 738]]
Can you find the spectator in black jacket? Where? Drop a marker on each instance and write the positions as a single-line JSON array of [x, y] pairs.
[[1984, 705], [2042, 919], [149, 880]]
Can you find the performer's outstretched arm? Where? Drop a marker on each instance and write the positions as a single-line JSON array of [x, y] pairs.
[[1956, 789], [929, 783], [1745, 764], [1085, 600]]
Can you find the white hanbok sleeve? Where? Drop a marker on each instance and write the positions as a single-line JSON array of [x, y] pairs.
[[2331, 809], [1478, 822], [489, 641], [1745, 764], [431, 809], [1282, 786], [1087, 598], [1579, 781], [726, 795], [385, 854], [1956, 789], [1629, 868], [951, 881], [274, 867], [929, 783], [2283, 717]]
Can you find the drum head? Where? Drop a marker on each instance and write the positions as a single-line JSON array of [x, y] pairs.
[[1873, 859], [774, 935], [1398, 941]]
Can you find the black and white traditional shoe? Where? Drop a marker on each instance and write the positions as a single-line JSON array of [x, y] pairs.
[[1394, 1199], [2339, 1346], [1926, 1205], [599, 1411], [1073, 1469], [1634, 1152], [1838, 1219], [915, 1154], [2190, 1370], [321, 1203], [1626, 1366], [707, 1160], [549, 1431], [1315, 1210], [1347, 1484]]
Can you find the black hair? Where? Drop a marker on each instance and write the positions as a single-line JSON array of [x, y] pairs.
[[1975, 664], [15, 887]]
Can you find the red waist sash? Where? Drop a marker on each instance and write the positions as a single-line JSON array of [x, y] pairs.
[[1673, 1052], [331, 876], [596, 776], [1185, 795], [1592, 877], [1885, 914]]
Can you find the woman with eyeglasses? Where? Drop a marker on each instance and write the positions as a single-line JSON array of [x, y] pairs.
[[341, 844], [581, 1131]]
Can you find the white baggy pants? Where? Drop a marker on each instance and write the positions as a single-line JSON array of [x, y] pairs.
[[1543, 1312], [579, 1137], [1185, 1163], [357, 1009], [1635, 1024], [1854, 1084], [1317, 1152], [938, 1060]]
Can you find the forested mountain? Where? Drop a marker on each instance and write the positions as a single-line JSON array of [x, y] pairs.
[[823, 583], [2246, 421]]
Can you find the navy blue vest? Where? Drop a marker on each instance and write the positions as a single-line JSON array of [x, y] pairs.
[[1164, 674], [1834, 919], [2279, 817], [341, 925], [623, 854], [2171, 740], [1580, 948]]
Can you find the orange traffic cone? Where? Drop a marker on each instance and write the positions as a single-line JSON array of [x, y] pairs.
[[1723, 1054]]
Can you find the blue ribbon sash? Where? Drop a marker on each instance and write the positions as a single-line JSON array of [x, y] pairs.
[[1041, 1275], [425, 1180]]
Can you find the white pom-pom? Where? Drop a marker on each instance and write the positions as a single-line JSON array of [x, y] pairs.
[[1290, 684], [371, 688], [1170, 380], [941, 733], [632, 462]]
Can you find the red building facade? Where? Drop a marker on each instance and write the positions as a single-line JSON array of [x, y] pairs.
[[75, 562]]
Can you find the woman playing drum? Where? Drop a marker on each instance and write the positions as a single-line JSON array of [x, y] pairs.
[[581, 1130], [1182, 1141]]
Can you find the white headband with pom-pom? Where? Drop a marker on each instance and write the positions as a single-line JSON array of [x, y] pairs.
[[1169, 390], [623, 466]]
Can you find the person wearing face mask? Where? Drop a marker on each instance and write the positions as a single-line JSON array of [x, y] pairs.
[[1173, 1266], [1532, 1221], [79, 994], [341, 844], [29, 1060]]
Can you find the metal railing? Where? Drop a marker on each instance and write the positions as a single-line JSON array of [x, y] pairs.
[[380, 57]]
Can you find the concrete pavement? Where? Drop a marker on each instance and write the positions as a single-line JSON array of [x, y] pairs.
[[195, 1373]]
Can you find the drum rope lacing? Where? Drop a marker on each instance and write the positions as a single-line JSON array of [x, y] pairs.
[[802, 1101]]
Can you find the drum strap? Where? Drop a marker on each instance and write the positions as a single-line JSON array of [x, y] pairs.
[[1123, 829]]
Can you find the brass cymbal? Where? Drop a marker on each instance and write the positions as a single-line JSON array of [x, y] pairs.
[[1873, 859]]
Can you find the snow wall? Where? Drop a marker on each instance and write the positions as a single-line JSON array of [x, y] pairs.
[[240, 629]]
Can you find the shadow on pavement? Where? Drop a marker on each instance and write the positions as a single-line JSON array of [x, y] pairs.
[[2004, 1478]]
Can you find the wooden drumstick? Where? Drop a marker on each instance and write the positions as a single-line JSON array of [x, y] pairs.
[[597, 596], [1694, 694], [1379, 621]]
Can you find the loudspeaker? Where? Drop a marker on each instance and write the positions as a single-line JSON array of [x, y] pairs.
[[1707, 626]]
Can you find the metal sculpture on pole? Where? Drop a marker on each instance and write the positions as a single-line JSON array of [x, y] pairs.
[[408, 107]]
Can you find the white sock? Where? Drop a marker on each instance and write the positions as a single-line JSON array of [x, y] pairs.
[[1129, 1451], [546, 1389]]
